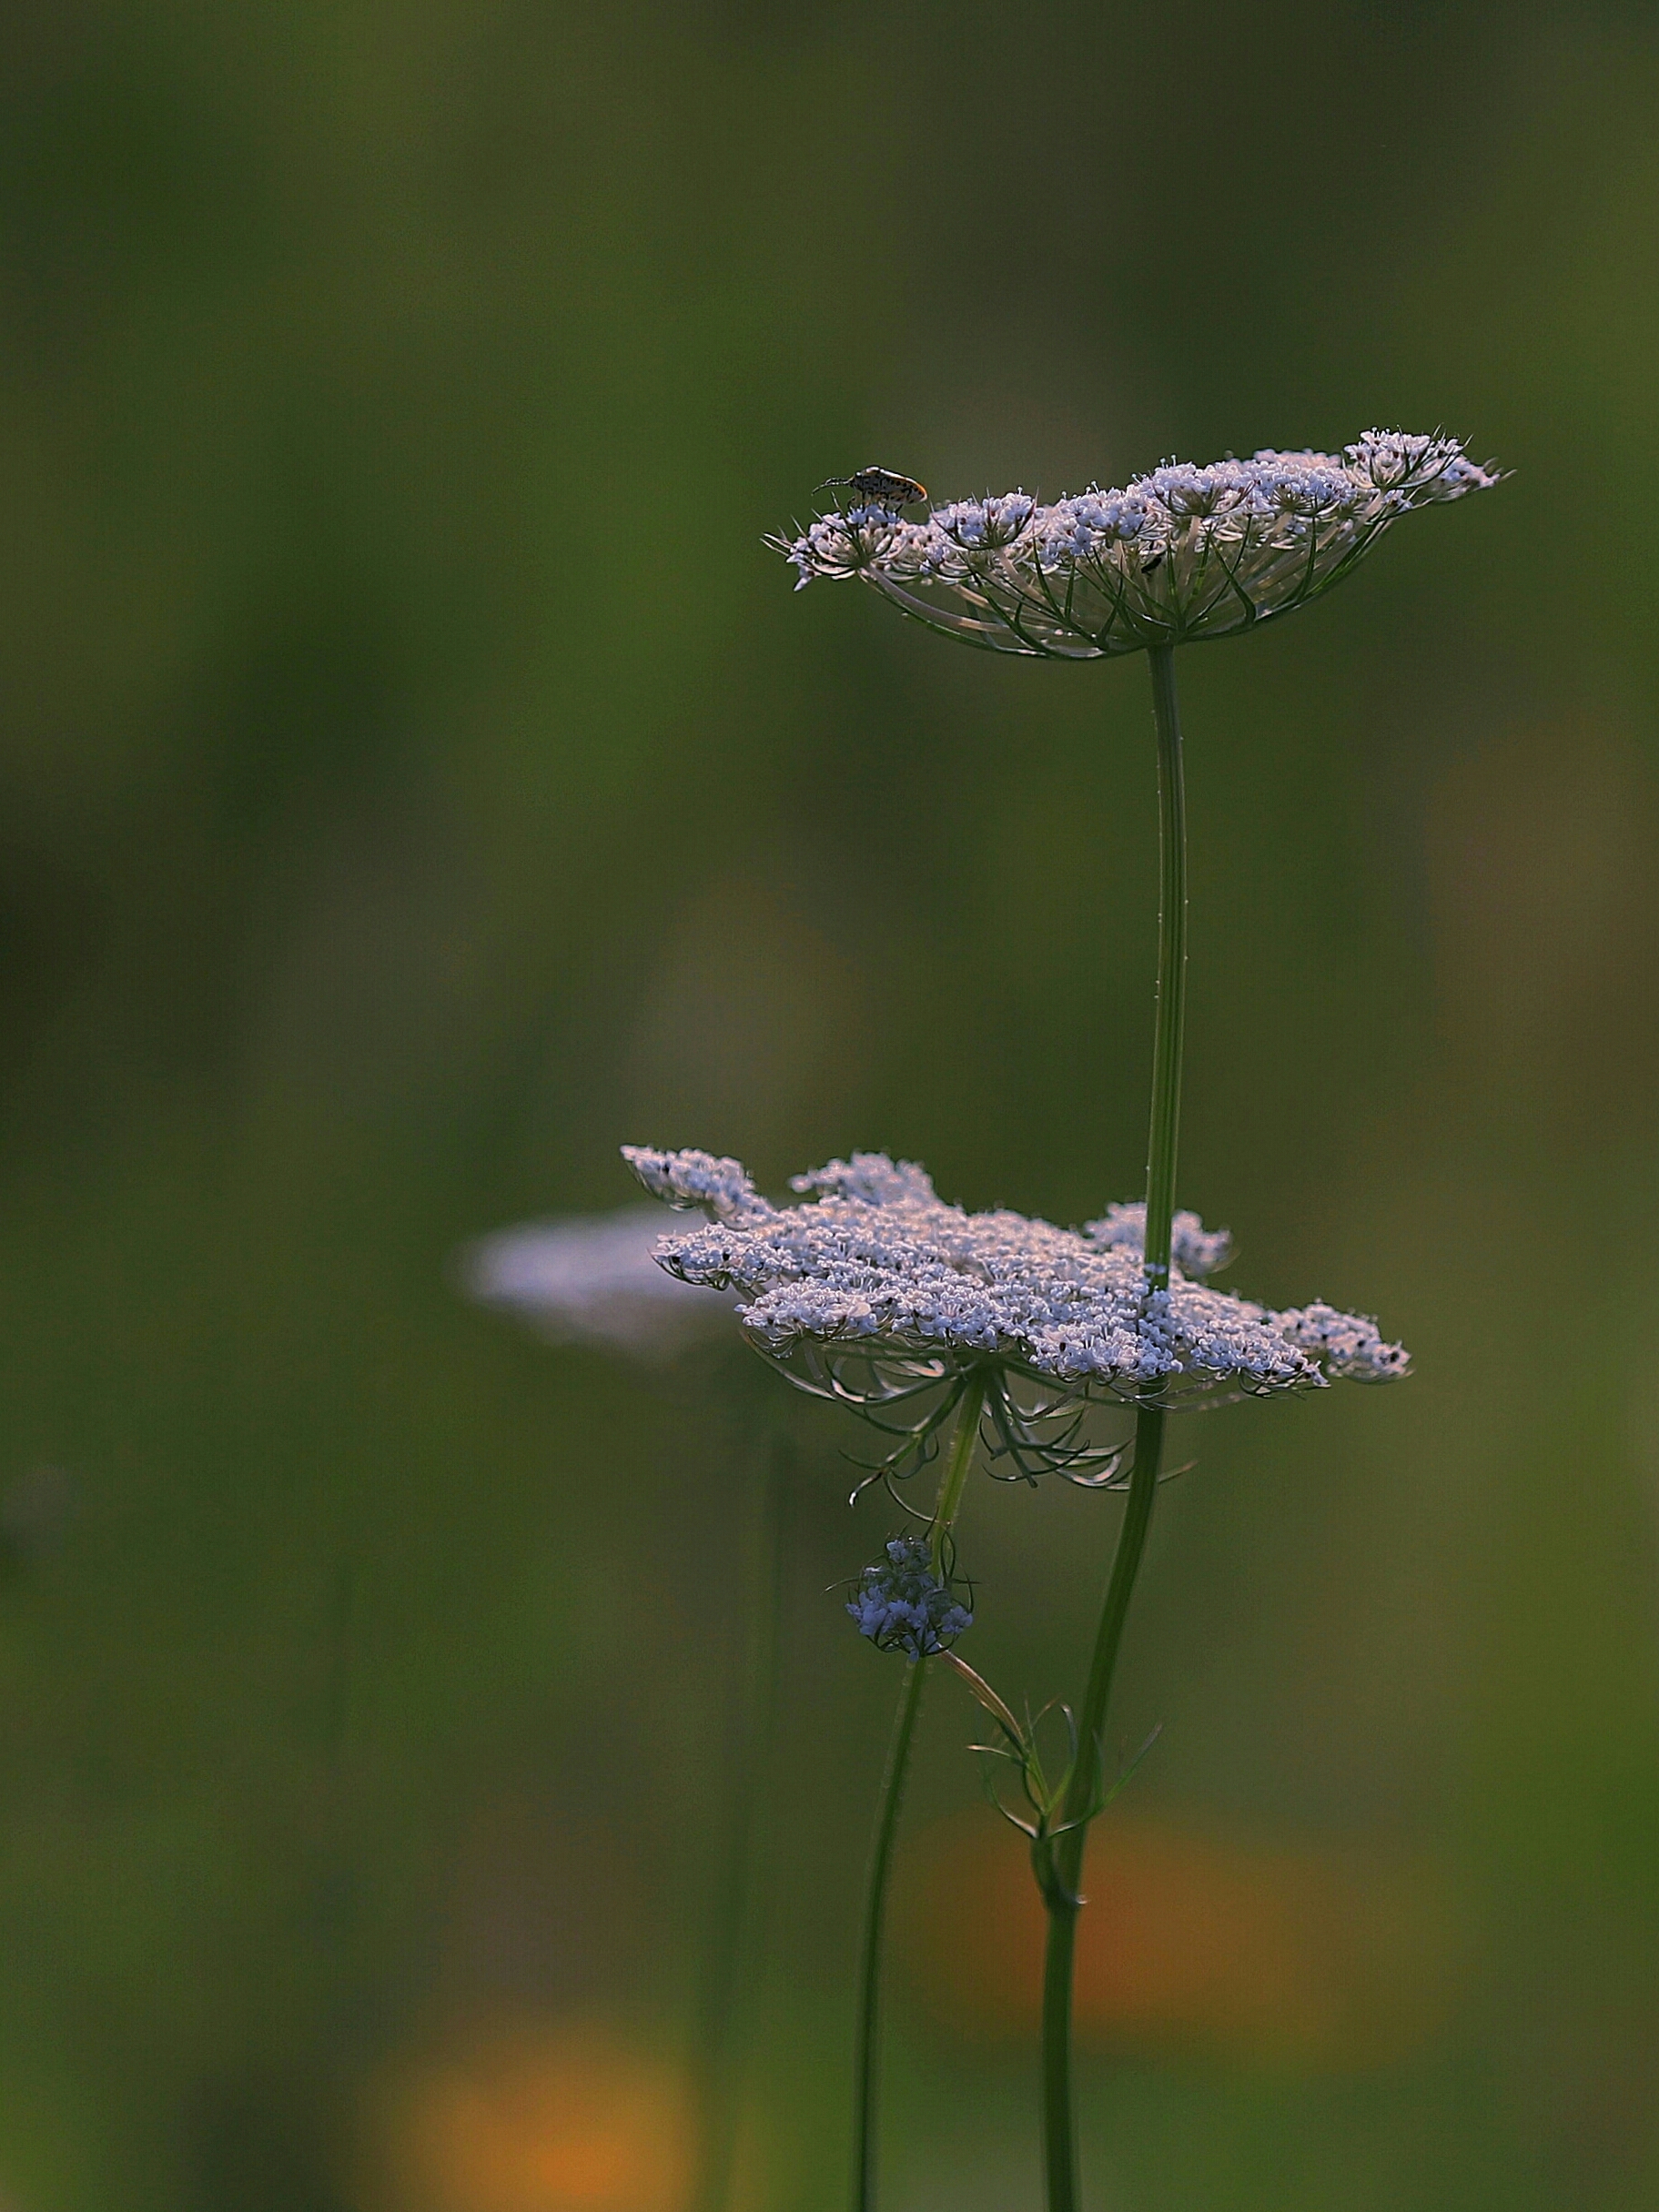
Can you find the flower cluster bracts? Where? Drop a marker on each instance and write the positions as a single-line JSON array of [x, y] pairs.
[[1179, 555], [877, 1263]]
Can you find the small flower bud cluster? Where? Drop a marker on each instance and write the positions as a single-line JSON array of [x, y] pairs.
[[1180, 553], [855, 543], [878, 1260], [1194, 1249], [688, 1180], [902, 1605], [1346, 1343], [977, 528]]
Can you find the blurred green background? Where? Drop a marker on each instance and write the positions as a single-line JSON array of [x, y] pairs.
[[417, 778]]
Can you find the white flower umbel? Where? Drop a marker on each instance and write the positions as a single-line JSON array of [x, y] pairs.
[[1179, 555], [877, 1263]]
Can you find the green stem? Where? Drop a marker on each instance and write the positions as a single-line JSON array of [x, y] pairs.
[[867, 2043], [1061, 1870], [1062, 1888], [735, 1929], [1170, 1023]]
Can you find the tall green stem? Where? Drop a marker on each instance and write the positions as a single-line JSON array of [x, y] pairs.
[[866, 2044], [735, 1919], [1061, 1867], [1062, 1878], [1170, 1023]]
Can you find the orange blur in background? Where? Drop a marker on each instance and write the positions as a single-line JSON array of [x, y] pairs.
[[532, 2118], [1287, 1955]]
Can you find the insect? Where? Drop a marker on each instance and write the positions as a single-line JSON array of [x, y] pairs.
[[883, 487]]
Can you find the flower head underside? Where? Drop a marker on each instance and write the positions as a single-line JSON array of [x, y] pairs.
[[1179, 555]]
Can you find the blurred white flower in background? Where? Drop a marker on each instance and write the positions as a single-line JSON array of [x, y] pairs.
[[592, 1278]]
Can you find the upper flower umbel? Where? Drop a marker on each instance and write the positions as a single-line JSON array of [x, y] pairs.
[[1179, 555]]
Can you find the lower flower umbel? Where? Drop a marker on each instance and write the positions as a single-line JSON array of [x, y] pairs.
[[994, 1335], [877, 1270]]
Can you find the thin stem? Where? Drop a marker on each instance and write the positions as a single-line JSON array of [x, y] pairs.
[[735, 1931], [865, 2052], [1060, 1870], [866, 2044], [1062, 1888], [955, 1471], [1170, 1022]]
